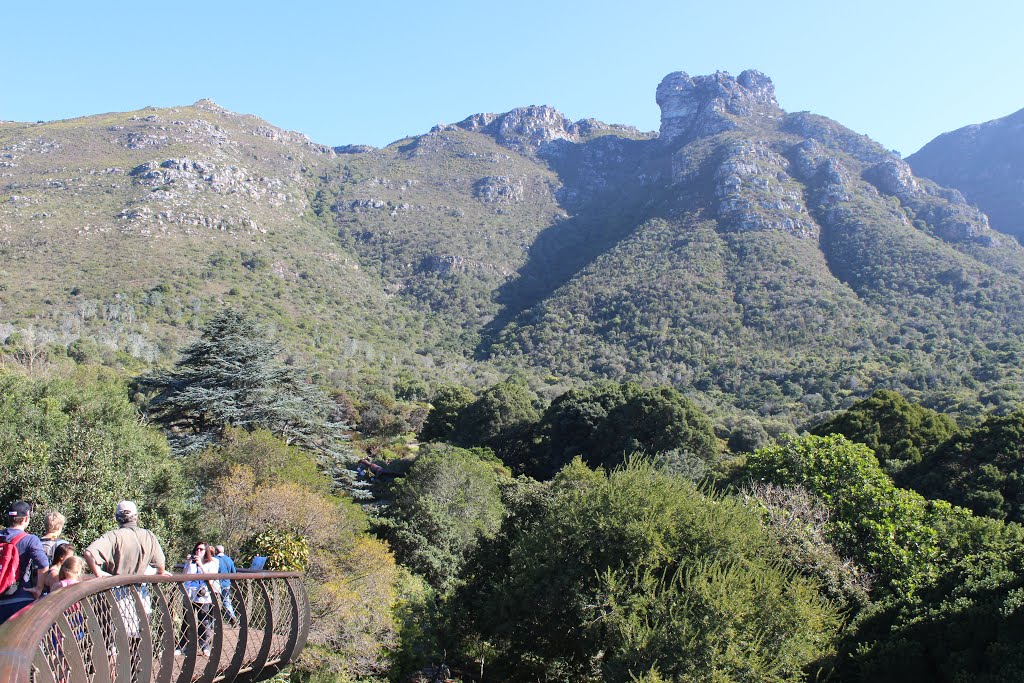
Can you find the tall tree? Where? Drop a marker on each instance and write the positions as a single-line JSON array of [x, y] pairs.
[[607, 421], [898, 431], [448, 401], [232, 377]]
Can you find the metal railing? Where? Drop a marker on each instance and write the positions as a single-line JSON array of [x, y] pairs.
[[145, 629]]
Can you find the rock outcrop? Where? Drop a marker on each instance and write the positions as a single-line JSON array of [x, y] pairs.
[[698, 106], [755, 192], [524, 129], [530, 129]]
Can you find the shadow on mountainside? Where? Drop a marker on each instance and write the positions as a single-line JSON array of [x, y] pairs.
[[607, 187]]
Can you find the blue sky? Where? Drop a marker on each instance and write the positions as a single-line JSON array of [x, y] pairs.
[[344, 72]]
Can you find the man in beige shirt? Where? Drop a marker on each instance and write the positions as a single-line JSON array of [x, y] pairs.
[[128, 549]]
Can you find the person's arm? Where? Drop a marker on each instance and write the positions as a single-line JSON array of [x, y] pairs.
[[90, 560], [37, 589], [97, 555], [37, 555], [159, 561]]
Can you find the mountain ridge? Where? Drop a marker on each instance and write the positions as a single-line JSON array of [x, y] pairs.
[[772, 262], [984, 162]]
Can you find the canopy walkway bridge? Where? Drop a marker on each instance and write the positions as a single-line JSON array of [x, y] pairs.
[[143, 629]]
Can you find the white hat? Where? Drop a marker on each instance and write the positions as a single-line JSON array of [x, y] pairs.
[[127, 506]]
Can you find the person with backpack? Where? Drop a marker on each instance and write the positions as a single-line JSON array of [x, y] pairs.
[[54, 527], [22, 562]]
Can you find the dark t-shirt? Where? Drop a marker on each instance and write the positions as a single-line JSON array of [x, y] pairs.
[[31, 558]]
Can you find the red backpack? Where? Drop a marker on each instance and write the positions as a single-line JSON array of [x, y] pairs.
[[9, 563]]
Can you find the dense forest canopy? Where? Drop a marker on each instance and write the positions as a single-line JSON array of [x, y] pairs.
[[613, 533]]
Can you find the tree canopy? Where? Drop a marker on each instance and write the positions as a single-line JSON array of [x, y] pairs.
[[980, 468], [899, 432], [232, 377], [614, 575], [448, 401], [963, 626], [607, 421], [448, 501], [501, 419], [77, 445], [895, 533]]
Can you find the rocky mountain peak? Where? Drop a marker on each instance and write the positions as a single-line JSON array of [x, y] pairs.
[[696, 106], [523, 128], [207, 103]]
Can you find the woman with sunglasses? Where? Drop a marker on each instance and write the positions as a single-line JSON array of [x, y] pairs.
[[201, 561]]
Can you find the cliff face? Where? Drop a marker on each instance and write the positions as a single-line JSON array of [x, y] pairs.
[[697, 106], [985, 162]]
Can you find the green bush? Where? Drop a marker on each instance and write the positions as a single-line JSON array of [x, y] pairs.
[[447, 502], [964, 626], [899, 432], [898, 535], [610, 576], [77, 445], [980, 468], [285, 551]]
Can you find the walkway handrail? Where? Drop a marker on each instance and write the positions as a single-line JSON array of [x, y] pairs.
[[146, 629]]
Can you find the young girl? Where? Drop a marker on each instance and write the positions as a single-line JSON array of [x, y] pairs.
[[70, 572], [49, 580]]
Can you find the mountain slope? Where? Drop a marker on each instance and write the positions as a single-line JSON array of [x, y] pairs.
[[778, 261], [986, 163], [120, 233], [763, 260]]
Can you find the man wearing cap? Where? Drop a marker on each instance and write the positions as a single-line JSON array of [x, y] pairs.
[[128, 549], [30, 556]]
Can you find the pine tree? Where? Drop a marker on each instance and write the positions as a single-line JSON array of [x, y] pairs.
[[231, 377]]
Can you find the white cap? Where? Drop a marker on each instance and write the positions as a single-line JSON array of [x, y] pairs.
[[127, 506]]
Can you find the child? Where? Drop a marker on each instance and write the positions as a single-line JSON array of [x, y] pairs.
[[52, 576], [70, 572]]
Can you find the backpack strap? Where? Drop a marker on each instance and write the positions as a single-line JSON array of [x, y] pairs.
[[18, 537]]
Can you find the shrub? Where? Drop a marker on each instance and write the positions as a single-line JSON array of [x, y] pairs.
[[285, 552], [611, 576]]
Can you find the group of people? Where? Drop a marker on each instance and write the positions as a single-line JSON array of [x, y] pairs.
[[40, 565], [49, 563]]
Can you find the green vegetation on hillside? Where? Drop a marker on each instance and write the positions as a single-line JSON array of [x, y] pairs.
[[574, 360]]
